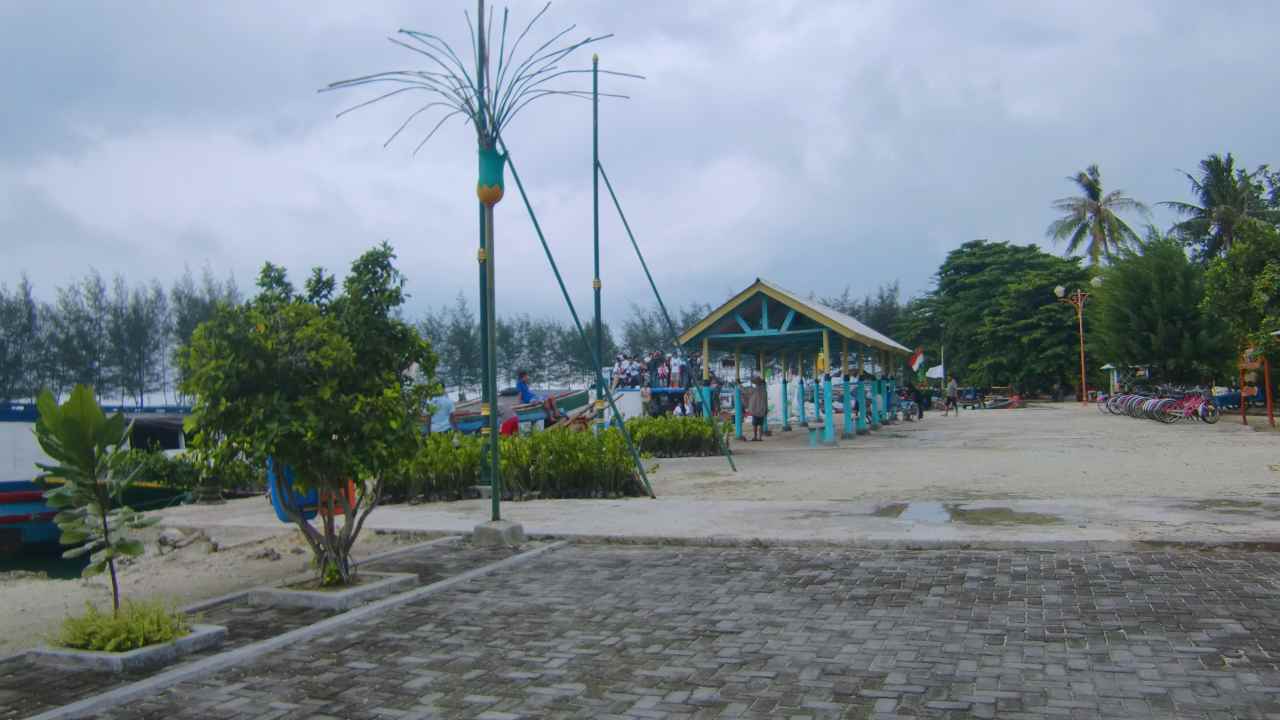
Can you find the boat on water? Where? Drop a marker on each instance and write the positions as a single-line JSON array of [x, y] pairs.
[[25, 519]]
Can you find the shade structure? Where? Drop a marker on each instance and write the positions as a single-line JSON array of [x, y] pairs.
[[767, 317]]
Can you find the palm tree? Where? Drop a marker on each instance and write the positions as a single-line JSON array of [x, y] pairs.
[[1090, 220], [1229, 200]]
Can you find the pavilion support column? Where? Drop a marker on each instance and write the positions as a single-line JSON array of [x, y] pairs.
[[860, 390], [786, 411], [737, 366], [737, 412], [706, 359], [760, 360], [804, 420], [828, 417]]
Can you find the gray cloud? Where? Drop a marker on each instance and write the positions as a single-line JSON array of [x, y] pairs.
[[816, 144]]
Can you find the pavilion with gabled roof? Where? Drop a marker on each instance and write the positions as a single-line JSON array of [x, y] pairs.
[[771, 323]]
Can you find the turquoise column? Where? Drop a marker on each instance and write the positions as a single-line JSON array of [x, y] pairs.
[[828, 418], [737, 412], [874, 410], [890, 401], [786, 411], [804, 421], [847, 433], [706, 401], [861, 401]]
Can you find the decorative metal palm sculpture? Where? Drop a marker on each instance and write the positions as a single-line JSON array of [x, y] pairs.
[[489, 100]]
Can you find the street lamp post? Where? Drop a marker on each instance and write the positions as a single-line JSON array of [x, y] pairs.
[[1076, 299]]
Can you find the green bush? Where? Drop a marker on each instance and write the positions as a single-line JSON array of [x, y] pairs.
[[153, 467], [676, 436], [184, 472], [135, 625], [557, 464]]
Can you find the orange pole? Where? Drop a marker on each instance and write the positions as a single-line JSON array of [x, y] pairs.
[[1244, 401], [1266, 375], [1079, 319]]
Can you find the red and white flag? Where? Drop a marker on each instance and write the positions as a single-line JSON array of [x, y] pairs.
[[917, 360]]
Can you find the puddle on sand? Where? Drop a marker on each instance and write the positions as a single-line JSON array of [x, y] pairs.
[[933, 512], [936, 512]]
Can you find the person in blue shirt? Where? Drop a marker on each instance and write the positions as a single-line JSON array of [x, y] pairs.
[[527, 395]]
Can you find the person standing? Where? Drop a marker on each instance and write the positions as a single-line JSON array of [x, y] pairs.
[[758, 408], [953, 397], [918, 398]]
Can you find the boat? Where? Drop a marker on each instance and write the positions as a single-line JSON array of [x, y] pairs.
[[466, 417], [25, 519], [565, 403]]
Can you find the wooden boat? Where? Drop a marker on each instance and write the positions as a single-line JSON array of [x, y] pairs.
[[25, 518], [566, 402], [466, 417]]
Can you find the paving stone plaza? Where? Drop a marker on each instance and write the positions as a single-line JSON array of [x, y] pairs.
[[617, 631]]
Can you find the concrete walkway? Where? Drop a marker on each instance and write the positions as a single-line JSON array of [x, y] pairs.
[[1110, 520]]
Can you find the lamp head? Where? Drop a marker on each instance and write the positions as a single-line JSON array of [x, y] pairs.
[[1060, 291], [1096, 281]]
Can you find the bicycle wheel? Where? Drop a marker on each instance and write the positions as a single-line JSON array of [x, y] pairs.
[[1209, 413]]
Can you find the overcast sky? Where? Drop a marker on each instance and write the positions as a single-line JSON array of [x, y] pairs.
[[817, 144]]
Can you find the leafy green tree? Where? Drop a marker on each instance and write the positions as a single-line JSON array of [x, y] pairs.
[[18, 312], [319, 383], [85, 444], [1241, 289], [1147, 312], [1229, 200], [1000, 323], [1091, 220]]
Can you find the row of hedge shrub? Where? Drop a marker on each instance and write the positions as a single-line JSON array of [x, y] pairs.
[[677, 436], [183, 472], [559, 464]]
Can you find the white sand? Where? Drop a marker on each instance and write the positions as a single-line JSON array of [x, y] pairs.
[[33, 607]]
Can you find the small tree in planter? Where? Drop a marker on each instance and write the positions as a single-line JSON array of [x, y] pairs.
[[319, 383], [87, 446]]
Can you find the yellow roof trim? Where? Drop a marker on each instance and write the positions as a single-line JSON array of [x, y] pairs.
[[792, 303]]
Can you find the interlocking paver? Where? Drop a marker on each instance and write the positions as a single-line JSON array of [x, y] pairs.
[[694, 632]]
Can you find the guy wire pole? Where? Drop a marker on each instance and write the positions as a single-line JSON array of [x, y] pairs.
[[675, 338], [555, 270], [595, 220], [488, 344]]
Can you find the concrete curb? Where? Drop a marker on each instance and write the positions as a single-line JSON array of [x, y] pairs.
[[1031, 545], [379, 585], [201, 605], [201, 637], [159, 682]]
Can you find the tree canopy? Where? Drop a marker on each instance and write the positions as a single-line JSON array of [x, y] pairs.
[[1227, 200], [320, 383], [1147, 312], [1092, 221]]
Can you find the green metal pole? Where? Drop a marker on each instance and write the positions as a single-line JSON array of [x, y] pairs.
[[595, 219], [488, 356], [555, 270], [671, 326]]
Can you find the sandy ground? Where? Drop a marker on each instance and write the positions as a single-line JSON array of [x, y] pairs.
[[1043, 451], [34, 605], [1083, 476]]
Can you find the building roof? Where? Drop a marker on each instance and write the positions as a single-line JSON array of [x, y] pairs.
[[819, 316]]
